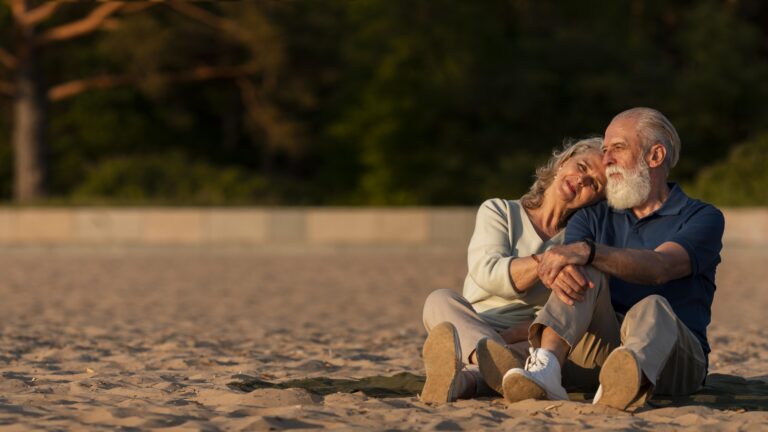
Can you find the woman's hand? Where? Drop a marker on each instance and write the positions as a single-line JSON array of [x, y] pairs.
[[569, 285], [555, 259]]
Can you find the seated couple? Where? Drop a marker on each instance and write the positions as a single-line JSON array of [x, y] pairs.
[[633, 279]]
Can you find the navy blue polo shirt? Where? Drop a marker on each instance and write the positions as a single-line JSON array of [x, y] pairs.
[[694, 225]]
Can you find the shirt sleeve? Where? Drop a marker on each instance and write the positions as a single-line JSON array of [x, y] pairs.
[[702, 237], [579, 228], [490, 251]]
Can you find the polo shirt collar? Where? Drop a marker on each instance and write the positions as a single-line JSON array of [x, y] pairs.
[[675, 201], [672, 206]]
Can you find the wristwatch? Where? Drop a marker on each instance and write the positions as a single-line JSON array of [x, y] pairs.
[[592, 248]]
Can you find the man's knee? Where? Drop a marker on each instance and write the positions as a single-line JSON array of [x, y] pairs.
[[653, 308], [654, 302], [595, 275]]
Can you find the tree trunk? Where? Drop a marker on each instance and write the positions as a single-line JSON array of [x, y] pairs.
[[29, 126]]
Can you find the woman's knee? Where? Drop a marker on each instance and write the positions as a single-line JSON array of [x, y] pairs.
[[436, 302], [438, 298]]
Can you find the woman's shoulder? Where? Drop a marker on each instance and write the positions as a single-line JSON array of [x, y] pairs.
[[501, 206]]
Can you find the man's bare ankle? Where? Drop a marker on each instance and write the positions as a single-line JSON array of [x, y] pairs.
[[473, 357]]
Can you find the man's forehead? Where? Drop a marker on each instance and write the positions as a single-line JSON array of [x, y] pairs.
[[620, 130], [622, 124]]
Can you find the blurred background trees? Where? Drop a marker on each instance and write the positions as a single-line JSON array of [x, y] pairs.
[[386, 102]]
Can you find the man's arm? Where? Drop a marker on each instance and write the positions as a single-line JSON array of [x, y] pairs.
[[667, 262], [696, 246]]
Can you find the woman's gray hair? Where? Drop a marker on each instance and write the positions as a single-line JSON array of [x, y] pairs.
[[653, 127], [546, 173]]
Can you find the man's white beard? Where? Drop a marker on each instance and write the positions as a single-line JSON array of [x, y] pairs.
[[631, 189]]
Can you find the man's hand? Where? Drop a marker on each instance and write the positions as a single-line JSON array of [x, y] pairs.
[[569, 285], [555, 259]]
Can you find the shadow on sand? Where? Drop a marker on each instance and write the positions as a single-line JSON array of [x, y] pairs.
[[724, 392]]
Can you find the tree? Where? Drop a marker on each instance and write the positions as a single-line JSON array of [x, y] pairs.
[[37, 26]]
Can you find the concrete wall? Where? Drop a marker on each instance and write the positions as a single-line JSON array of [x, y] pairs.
[[267, 227]]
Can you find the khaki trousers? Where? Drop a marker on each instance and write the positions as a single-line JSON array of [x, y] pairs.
[[669, 355]]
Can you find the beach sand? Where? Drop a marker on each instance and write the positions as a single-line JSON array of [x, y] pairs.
[[151, 338]]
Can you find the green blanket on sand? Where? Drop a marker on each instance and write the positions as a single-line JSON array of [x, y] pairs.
[[724, 392]]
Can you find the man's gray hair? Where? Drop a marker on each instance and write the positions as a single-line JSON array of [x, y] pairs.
[[653, 127], [546, 173]]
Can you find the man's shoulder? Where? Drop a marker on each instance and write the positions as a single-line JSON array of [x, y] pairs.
[[585, 222], [694, 207], [595, 211]]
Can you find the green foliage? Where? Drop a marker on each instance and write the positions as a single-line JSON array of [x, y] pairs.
[[719, 91], [169, 179], [392, 102], [428, 96], [739, 180]]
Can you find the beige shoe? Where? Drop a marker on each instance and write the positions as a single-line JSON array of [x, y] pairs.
[[494, 360], [442, 360], [620, 380]]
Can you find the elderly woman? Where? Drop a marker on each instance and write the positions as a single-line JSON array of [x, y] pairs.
[[475, 338]]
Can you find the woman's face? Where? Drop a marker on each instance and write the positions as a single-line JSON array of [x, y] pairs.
[[580, 181]]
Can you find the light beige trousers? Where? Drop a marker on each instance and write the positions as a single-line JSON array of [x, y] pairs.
[[446, 305], [669, 355]]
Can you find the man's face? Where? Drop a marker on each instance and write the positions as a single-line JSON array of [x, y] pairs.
[[627, 172], [621, 145]]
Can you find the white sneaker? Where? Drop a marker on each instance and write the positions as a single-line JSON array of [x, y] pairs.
[[541, 379]]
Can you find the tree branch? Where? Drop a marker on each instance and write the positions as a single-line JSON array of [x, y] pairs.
[[18, 9], [138, 6], [212, 20], [40, 13], [80, 27], [201, 73], [7, 59]]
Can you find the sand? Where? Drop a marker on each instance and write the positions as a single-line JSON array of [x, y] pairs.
[[150, 338]]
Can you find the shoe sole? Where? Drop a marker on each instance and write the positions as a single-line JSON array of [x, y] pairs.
[[442, 361], [494, 360], [620, 378], [518, 387]]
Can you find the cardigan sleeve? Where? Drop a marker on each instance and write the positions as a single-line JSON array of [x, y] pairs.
[[490, 250]]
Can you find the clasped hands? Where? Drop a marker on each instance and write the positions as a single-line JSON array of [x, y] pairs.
[[561, 269]]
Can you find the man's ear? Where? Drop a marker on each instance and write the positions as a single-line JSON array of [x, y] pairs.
[[656, 155]]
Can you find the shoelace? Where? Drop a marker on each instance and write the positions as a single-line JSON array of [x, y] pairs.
[[534, 362]]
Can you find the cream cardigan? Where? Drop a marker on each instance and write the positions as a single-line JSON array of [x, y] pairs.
[[502, 233]]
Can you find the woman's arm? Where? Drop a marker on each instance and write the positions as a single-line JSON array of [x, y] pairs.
[[523, 272], [491, 258]]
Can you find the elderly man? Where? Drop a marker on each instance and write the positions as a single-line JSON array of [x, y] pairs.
[[634, 284]]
